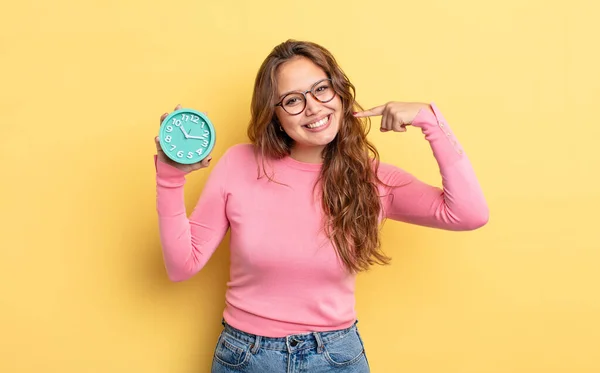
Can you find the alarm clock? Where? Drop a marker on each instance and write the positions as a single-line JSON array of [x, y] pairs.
[[186, 136]]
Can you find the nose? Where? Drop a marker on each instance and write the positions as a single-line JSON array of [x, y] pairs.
[[312, 105]]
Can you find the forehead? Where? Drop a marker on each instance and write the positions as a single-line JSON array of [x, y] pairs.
[[299, 73]]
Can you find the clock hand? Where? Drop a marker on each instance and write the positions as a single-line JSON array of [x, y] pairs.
[[184, 133]]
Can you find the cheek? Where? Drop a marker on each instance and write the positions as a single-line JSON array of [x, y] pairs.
[[336, 105], [289, 122]]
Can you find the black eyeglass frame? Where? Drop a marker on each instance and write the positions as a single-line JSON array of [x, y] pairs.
[[280, 103]]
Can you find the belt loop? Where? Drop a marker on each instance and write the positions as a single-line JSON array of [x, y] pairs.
[[320, 346], [256, 345]]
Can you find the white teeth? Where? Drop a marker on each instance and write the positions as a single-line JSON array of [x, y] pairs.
[[319, 123]]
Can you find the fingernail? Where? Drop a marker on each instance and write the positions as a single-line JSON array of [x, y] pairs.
[[355, 112], [209, 159]]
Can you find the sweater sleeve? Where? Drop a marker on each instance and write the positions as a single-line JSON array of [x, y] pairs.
[[459, 205], [188, 243]]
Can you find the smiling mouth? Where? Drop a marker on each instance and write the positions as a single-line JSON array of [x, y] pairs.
[[318, 124]]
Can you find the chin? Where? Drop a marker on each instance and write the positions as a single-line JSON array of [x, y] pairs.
[[323, 138]]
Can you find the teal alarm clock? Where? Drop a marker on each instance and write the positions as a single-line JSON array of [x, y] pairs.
[[186, 136]]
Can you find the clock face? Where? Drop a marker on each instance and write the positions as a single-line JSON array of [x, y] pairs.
[[187, 136]]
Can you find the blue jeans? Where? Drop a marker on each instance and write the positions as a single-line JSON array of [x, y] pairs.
[[339, 351]]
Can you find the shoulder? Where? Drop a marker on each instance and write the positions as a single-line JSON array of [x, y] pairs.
[[384, 169], [392, 175], [240, 153]]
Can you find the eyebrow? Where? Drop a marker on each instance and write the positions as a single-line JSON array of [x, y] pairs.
[[300, 90]]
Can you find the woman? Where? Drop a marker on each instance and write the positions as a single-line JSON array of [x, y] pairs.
[[304, 202]]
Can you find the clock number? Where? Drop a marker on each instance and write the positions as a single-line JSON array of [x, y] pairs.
[[190, 155], [168, 139], [204, 143], [172, 147], [205, 133], [185, 117], [176, 122], [199, 151], [202, 124], [195, 119], [169, 129], [180, 153]]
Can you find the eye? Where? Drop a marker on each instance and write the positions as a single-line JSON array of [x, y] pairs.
[[322, 88], [293, 100]]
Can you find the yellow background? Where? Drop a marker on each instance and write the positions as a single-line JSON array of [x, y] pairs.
[[83, 288]]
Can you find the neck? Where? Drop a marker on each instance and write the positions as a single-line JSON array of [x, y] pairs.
[[313, 154]]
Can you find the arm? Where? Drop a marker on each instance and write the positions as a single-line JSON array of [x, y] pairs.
[[459, 205], [188, 244]]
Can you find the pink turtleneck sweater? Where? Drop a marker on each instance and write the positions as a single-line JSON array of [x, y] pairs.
[[284, 275]]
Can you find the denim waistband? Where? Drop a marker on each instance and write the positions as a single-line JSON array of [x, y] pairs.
[[290, 343]]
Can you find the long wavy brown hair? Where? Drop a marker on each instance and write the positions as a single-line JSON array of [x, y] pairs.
[[348, 178]]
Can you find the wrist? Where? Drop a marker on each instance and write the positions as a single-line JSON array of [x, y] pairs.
[[425, 106]]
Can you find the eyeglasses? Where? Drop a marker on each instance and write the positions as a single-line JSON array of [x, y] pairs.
[[294, 103]]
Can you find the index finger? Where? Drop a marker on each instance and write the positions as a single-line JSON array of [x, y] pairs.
[[378, 110]]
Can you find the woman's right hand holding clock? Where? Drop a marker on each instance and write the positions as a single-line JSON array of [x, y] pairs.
[[162, 157]]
